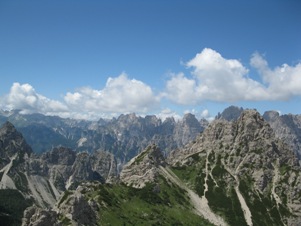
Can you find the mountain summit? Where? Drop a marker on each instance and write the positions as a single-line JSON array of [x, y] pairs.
[[241, 167]]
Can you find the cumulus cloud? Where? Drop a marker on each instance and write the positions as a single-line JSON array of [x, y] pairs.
[[120, 95], [282, 82], [216, 78], [25, 98], [181, 89]]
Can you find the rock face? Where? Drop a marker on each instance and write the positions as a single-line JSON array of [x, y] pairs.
[[72, 209], [12, 142], [35, 216], [77, 208], [286, 127], [242, 161], [144, 168], [43, 178]]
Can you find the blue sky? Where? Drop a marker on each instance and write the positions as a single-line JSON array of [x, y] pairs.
[[90, 59]]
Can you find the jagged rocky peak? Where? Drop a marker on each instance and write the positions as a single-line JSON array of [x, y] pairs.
[[231, 113], [59, 155], [271, 115], [144, 168], [152, 119], [190, 119], [246, 152], [286, 127], [105, 164], [128, 119], [12, 141]]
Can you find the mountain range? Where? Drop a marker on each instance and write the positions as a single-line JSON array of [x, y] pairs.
[[240, 169], [124, 136]]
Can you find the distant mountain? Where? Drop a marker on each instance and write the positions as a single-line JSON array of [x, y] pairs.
[[44, 132], [286, 127], [124, 136], [230, 113]]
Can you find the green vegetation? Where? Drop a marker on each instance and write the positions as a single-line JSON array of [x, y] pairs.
[[65, 221], [211, 157], [161, 203], [263, 208], [258, 151], [238, 150], [222, 199], [284, 168], [142, 155], [12, 206], [196, 157], [199, 184], [193, 175], [65, 196]]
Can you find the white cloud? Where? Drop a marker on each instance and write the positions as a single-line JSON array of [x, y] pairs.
[[120, 95], [168, 113], [205, 113], [25, 98], [181, 89], [227, 80], [282, 82], [221, 79]]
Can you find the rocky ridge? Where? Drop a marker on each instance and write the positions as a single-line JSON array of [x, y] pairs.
[[144, 168], [245, 163], [286, 127]]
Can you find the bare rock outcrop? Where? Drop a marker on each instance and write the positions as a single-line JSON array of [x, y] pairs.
[[144, 168]]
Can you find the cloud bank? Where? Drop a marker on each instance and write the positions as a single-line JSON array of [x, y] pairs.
[[120, 95], [212, 78]]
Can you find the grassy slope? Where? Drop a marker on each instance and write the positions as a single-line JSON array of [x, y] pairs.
[[222, 197], [156, 204]]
